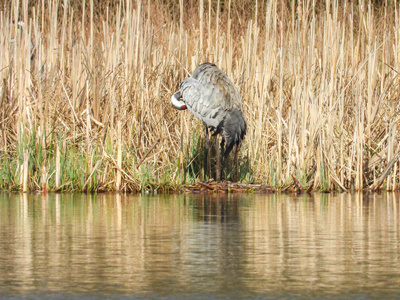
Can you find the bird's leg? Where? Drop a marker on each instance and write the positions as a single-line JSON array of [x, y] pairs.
[[218, 166], [206, 153], [236, 164], [222, 174], [228, 150]]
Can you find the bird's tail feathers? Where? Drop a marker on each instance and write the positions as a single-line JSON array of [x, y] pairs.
[[234, 128]]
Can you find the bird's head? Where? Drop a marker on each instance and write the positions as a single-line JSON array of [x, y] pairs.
[[177, 101]]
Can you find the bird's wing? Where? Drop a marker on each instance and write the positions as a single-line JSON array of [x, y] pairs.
[[191, 92], [218, 90], [198, 98]]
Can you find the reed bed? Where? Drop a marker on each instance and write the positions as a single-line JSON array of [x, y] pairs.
[[85, 91]]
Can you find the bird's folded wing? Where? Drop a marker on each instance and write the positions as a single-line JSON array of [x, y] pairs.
[[221, 91], [191, 91], [200, 100]]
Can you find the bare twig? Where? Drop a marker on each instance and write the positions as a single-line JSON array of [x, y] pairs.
[[385, 172], [297, 184]]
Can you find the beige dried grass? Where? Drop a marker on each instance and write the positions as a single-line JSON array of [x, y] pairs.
[[319, 84]]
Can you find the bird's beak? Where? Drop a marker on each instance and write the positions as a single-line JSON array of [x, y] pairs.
[[177, 102]]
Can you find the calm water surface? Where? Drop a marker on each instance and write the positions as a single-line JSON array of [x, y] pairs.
[[199, 247]]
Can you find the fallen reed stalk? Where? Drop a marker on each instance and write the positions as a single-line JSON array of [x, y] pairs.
[[319, 82]]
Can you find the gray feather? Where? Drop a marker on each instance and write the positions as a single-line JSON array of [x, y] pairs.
[[212, 97]]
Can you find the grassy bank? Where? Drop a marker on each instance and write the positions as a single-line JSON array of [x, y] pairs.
[[85, 92]]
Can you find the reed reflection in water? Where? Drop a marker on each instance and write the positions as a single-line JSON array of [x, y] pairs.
[[187, 246]]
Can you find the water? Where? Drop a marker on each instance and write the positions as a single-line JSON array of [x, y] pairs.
[[199, 247]]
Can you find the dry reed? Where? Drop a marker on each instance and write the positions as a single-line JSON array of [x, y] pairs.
[[85, 90]]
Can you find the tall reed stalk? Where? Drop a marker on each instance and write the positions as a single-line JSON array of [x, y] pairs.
[[85, 89]]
